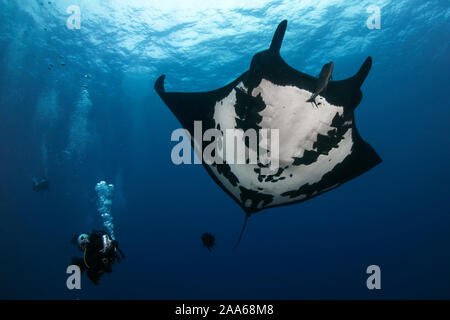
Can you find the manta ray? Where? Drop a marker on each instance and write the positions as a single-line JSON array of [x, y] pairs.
[[319, 147]]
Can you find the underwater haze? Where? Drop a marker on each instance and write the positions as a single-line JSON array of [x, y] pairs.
[[77, 105]]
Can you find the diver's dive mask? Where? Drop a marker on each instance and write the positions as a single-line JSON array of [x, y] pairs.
[[83, 240]]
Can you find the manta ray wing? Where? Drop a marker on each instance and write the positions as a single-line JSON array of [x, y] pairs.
[[319, 148]]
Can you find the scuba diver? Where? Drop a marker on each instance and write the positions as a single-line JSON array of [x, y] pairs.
[[40, 185], [100, 252]]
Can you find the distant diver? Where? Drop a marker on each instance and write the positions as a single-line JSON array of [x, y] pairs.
[[41, 185], [322, 81], [209, 241], [100, 252]]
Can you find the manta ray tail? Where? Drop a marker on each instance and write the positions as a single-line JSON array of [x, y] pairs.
[[275, 46], [242, 231]]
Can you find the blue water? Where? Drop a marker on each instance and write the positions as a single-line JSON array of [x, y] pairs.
[[117, 129]]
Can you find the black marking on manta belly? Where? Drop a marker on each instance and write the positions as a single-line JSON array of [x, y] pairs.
[[325, 143], [247, 109], [308, 158], [225, 170], [331, 178], [257, 200], [269, 178]]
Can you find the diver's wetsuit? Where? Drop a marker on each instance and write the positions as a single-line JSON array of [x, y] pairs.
[[96, 261]]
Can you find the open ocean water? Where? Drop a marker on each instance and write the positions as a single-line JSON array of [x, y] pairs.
[[77, 106]]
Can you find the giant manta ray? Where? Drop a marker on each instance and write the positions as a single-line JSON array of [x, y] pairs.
[[319, 146]]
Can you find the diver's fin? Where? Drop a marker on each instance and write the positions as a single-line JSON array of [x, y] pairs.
[[242, 231], [275, 46]]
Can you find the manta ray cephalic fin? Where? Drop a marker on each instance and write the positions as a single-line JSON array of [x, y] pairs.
[[278, 37]]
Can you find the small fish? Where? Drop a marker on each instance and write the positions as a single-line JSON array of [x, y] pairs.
[[209, 241], [322, 81]]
